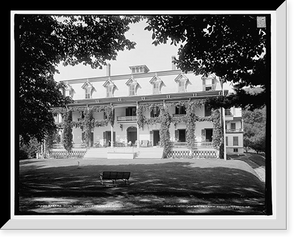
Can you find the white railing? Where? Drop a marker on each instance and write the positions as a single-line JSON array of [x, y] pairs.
[[126, 118], [196, 144], [234, 130], [178, 115]]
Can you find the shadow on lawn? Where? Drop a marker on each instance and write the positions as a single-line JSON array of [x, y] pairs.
[[166, 188]]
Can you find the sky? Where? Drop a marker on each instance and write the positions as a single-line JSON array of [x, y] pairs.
[[156, 58]]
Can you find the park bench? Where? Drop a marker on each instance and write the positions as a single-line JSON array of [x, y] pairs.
[[114, 175]]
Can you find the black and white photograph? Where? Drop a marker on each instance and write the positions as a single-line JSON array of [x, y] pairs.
[[143, 114]]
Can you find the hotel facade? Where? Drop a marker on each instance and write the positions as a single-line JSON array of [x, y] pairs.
[[125, 113]]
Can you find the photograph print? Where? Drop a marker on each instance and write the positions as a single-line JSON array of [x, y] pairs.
[[159, 114]]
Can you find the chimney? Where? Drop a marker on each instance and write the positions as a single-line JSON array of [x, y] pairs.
[[108, 71], [173, 64]]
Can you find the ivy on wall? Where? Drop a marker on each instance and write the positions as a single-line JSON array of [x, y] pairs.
[[189, 119], [164, 132], [164, 118], [67, 131], [87, 123]]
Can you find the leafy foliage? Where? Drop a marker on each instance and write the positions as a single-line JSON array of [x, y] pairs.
[[255, 129], [42, 42], [164, 132], [231, 46], [189, 119]]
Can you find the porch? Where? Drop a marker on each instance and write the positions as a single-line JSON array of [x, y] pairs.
[[145, 150]]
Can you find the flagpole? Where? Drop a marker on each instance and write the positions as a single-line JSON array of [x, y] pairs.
[[224, 123]]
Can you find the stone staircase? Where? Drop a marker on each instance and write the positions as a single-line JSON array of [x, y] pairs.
[[92, 153], [141, 153], [150, 153]]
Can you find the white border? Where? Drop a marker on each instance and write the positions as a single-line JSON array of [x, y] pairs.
[[277, 221]]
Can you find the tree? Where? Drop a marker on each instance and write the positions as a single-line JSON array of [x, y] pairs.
[[42, 42], [231, 46], [255, 129]]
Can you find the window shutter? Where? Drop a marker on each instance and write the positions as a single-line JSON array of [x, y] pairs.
[[176, 135], [213, 82], [104, 138], [151, 136], [203, 135]]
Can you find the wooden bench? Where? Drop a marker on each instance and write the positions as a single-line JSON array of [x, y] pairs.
[[114, 175]]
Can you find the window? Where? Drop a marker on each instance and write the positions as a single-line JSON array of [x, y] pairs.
[[235, 141], [110, 88], [226, 141], [235, 150], [181, 86], [227, 112], [155, 112], [132, 89], [180, 110], [109, 91], [131, 111], [207, 110], [133, 85], [87, 94], [232, 126], [156, 89], [209, 82], [157, 84], [89, 89], [182, 81]]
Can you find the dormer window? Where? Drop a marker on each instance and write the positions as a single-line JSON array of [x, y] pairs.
[[209, 82], [110, 88], [182, 81], [133, 86], [157, 84], [69, 91], [89, 89]]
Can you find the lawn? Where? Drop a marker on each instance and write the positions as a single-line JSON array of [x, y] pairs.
[[157, 187]]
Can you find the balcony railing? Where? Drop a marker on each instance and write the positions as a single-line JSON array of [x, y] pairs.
[[196, 144], [234, 130], [126, 119], [178, 115]]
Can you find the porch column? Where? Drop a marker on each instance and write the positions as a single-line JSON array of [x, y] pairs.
[[111, 136], [112, 133], [137, 128]]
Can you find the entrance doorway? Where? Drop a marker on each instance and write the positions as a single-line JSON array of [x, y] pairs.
[[156, 137], [131, 135], [181, 135], [107, 138], [208, 135]]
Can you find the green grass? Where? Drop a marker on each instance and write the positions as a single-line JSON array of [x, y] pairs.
[[162, 188]]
